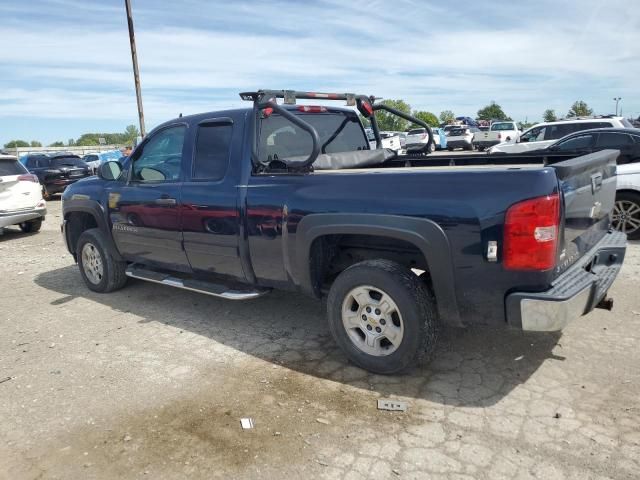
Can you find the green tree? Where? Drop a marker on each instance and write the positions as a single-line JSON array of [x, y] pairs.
[[364, 120], [549, 115], [493, 111], [388, 121], [71, 142], [580, 109], [131, 133], [427, 117], [524, 125], [447, 116], [16, 144], [86, 141], [57, 144], [35, 143]]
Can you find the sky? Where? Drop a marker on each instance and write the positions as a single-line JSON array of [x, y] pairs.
[[65, 65]]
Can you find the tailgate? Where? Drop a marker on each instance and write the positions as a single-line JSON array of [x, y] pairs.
[[588, 185]]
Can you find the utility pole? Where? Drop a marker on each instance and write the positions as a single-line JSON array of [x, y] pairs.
[[617, 100], [134, 59]]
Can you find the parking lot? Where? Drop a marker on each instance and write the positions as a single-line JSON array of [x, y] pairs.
[[152, 382]]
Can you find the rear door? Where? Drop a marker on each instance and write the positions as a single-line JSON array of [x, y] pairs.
[[619, 141], [16, 193], [588, 185], [144, 210], [210, 218]]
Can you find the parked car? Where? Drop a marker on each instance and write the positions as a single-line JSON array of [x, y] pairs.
[[461, 137], [626, 214], [393, 250], [498, 133], [418, 138], [544, 134], [21, 201], [93, 162], [57, 171], [389, 140]]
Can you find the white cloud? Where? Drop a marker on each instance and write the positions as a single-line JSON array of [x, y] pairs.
[[197, 56]]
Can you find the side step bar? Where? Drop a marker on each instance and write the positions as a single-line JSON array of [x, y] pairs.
[[200, 286]]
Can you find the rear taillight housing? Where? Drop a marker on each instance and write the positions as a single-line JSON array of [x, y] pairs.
[[531, 234], [28, 177], [424, 135]]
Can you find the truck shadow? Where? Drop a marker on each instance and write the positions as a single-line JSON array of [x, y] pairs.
[[476, 367]]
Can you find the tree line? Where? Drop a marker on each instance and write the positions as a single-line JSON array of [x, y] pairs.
[[128, 137], [493, 111]]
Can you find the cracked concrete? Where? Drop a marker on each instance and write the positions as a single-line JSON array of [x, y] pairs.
[[151, 382]]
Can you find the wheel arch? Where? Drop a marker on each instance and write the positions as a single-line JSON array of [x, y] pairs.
[[425, 235], [81, 215]]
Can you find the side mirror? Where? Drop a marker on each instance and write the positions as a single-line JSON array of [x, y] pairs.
[[110, 170]]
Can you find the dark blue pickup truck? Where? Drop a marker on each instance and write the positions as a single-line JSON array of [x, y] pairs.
[[290, 196]]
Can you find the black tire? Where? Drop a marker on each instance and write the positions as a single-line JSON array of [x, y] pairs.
[[32, 226], [627, 200], [113, 272], [432, 147], [414, 301], [481, 149]]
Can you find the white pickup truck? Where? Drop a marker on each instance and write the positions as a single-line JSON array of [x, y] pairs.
[[499, 132]]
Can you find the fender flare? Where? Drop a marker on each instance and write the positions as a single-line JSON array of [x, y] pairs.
[[425, 234], [96, 210]]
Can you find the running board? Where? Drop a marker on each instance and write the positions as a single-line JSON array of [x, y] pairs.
[[199, 286]]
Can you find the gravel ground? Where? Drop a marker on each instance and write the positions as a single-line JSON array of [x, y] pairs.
[[151, 382]]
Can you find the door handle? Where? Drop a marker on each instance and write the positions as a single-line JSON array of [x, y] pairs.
[[165, 201]]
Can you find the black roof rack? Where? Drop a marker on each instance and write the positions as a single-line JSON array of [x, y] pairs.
[[365, 104]]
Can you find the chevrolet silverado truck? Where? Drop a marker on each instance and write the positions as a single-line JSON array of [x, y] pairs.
[[281, 195]]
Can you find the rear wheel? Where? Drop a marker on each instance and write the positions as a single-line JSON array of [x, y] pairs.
[[100, 271], [382, 316], [626, 214], [432, 147], [31, 226]]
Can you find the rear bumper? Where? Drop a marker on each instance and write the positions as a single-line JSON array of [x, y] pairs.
[[574, 293], [19, 216], [415, 146], [486, 143], [458, 143], [60, 184]]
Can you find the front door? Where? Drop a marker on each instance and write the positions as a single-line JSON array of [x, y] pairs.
[[145, 211]]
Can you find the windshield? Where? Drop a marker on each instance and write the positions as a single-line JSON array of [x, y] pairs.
[[10, 166], [338, 132], [67, 162], [502, 126]]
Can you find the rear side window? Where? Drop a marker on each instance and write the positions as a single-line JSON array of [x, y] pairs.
[[11, 167], [614, 140], [213, 146]]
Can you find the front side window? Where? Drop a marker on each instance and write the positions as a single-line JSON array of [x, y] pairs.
[[575, 143], [159, 159], [213, 145]]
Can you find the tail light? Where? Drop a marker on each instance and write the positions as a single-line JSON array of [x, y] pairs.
[[311, 109], [28, 177], [266, 112], [531, 234], [423, 136]]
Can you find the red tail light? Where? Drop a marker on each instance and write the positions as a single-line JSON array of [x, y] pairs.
[[531, 234], [311, 109], [28, 177], [266, 112], [423, 136]]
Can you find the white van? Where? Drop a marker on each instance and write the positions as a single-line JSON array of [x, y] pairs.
[[544, 134]]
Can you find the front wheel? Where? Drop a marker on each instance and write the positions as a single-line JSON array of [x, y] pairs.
[[382, 316], [100, 271], [626, 214]]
